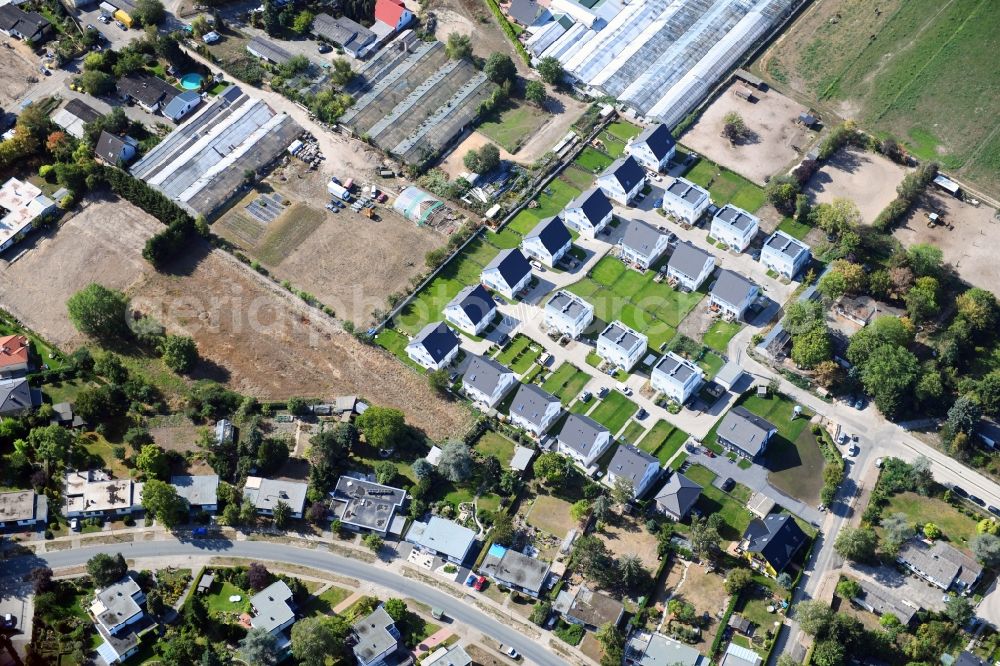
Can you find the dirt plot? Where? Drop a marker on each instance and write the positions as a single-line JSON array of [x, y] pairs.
[[968, 246], [867, 179], [777, 140], [625, 535], [102, 243], [17, 65], [453, 165]]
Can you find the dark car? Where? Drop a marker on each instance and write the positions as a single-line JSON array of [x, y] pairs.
[[960, 491], [324, 48], [977, 500], [992, 509], [504, 339], [641, 414], [8, 621], [728, 484]]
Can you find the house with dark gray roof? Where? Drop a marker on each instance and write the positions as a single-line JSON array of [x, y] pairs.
[[534, 410], [620, 345], [354, 37], [568, 314], [509, 273], [940, 564], [268, 50], [19, 24], [690, 266], [200, 491], [875, 598], [623, 180], [583, 439], [472, 310], [589, 212], [969, 659], [676, 377], [635, 466], [641, 244], [443, 538], [677, 496], [148, 91], [744, 433], [653, 148], [434, 347], [516, 570], [527, 12], [363, 505], [770, 543], [74, 115], [785, 255], [732, 294], [588, 608], [487, 381], [684, 200], [548, 242], [115, 150], [735, 227], [17, 397]]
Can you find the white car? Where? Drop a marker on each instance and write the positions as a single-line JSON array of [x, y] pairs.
[[624, 389], [537, 266], [509, 651]]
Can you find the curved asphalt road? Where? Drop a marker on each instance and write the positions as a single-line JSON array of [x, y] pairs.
[[323, 561]]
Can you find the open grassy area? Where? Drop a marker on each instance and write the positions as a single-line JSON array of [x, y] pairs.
[[592, 160], [633, 432], [520, 354], [566, 382], [797, 467], [551, 201], [719, 334], [794, 229], [614, 411], [663, 440], [218, 603], [735, 515], [624, 130], [513, 126], [957, 527], [324, 603], [726, 186], [287, 232], [550, 514], [395, 342], [495, 444]]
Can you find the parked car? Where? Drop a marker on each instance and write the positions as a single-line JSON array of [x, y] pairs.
[[586, 396], [74, 524], [324, 47], [602, 392], [480, 584], [121, 26], [878, 462], [537, 266], [471, 580], [624, 389], [104, 18], [992, 509], [510, 652], [437, 614], [977, 500], [641, 414], [728, 484], [960, 491], [201, 532], [8, 621]]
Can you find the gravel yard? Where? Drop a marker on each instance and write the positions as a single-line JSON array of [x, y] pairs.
[[867, 179]]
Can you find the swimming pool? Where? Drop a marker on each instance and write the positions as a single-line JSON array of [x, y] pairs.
[[497, 551], [191, 81]]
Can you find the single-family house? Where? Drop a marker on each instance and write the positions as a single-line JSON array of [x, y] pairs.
[[785, 255], [732, 294], [677, 496], [17, 397], [737, 655], [941, 565], [150, 92], [967, 658], [434, 347], [23, 509], [568, 313], [472, 310], [19, 24], [623, 180], [650, 649], [376, 639], [588, 608], [735, 227], [583, 439], [177, 108], [264, 495], [770, 543], [201, 491], [486, 381], [534, 410], [393, 14], [117, 612], [676, 377], [620, 345], [454, 655], [856, 308], [548, 242], [15, 353], [685, 201], [21, 203], [589, 213], [365, 506], [515, 570], [641, 244], [268, 51], [653, 148], [93, 494], [115, 150], [744, 433], [690, 266], [528, 13], [74, 115], [273, 610], [509, 273], [442, 538], [635, 466], [875, 598], [351, 35]]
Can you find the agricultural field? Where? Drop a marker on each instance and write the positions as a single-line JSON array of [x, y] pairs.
[[919, 70]]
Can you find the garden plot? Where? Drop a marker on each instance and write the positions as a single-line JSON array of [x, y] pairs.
[[625, 534]]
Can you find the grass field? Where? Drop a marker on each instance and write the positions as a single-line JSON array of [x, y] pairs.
[[624, 130], [592, 160], [551, 201], [919, 510], [916, 69], [726, 186], [395, 342], [566, 382], [734, 514], [797, 467], [323, 604], [551, 514], [288, 232], [719, 334], [513, 126], [794, 229], [614, 411], [495, 444], [218, 602], [663, 440]]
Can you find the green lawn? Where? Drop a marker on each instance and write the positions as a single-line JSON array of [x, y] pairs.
[[592, 160], [726, 186], [396, 342], [324, 603], [735, 515], [794, 229], [513, 126], [957, 527], [663, 440], [614, 411], [719, 334], [711, 363], [566, 382], [495, 444], [613, 145], [624, 130], [218, 602], [580, 407], [577, 177], [796, 467], [520, 354], [634, 432]]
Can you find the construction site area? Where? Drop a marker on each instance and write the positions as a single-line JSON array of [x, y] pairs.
[[412, 100]]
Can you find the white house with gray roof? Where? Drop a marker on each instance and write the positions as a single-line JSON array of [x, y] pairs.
[[454, 655], [516, 570], [684, 200], [732, 294], [583, 439], [734, 226], [486, 381], [641, 244], [589, 213], [653, 148], [472, 310], [676, 377], [272, 610], [366, 506], [118, 613], [376, 638], [568, 313], [200, 492], [434, 347], [690, 266], [443, 538], [744, 433], [785, 255], [548, 242], [623, 180], [635, 466], [509, 273], [534, 410], [620, 345], [265, 494], [677, 496], [648, 649]]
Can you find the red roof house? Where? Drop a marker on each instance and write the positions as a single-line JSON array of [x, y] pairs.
[[13, 355], [392, 13]]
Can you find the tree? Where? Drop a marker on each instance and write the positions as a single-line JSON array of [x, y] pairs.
[[152, 462], [734, 128], [551, 70], [580, 511], [179, 352], [844, 277], [828, 653], [814, 617], [849, 589], [489, 158], [282, 513], [737, 580], [422, 469], [106, 569], [631, 571], [785, 580], [921, 300], [341, 72], [396, 608], [781, 193], [272, 454], [499, 68], [259, 648], [535, 93], [986, 548], [271, 17], [40, 579], [704, 537], [896, 530], [803, 316], [438, 381], [258, 576], [812, 348], [888, 377], [988, 526], [979, 308], [458, 46], [963, 416], [385, 472], [988, 392], [550, 467], [591, 558], [838, 216], [99, 312], [622, 492], [303, 22], [959, 610], [162, 501], [373, 542], [540, 613], [613, 642], [857, 544], [382, 426], [137, 438], [884, 330], [456, 462], [602, 508], [200, 26], [503, 529], [51, 445], [925, 259], [149, 12], [97, 83]]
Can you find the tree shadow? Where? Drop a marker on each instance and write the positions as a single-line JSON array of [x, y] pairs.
[[186, 262], [208, 369]]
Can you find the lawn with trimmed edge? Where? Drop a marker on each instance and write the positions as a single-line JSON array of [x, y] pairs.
[[794, 229], [614, 411], [956, 527], [592, 160], [495, 444], [324, 603], [719, 334], [633, 432], [710, 363], [624, 130], [566, 382], [796, 467], [735, 515], [395, 342], [726, 186]]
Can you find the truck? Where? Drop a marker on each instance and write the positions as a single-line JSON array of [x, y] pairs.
[[338, 190]]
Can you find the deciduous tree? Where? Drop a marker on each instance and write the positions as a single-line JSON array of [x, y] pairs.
[[551, 70], [105, 569], [383, 427], [99, 312], [857, 544], [162, 501]]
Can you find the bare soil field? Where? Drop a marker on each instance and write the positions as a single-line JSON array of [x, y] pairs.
[[452, 163], [473, 18], [625, 535], [17, 64], [692, 583], [102, 243], [969, 246], [867, 179], [776, 143]]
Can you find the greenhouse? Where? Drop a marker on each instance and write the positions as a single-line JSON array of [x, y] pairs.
[[417, 206]]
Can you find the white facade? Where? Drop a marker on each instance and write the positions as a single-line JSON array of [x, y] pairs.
[[568, 313], [654, 148], [534, 410], [479, 302], [785, 255], [493, 280], [458, 317], [642, 245], [735, 227], [733, 294], [685, 201], [690, 276], [621, 346], [534, 248], [487, 384], [548, 242], [421, 354], [589, 213], [502, 388], [623, 180], [20, 203], [676, 377], [508, 274]]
